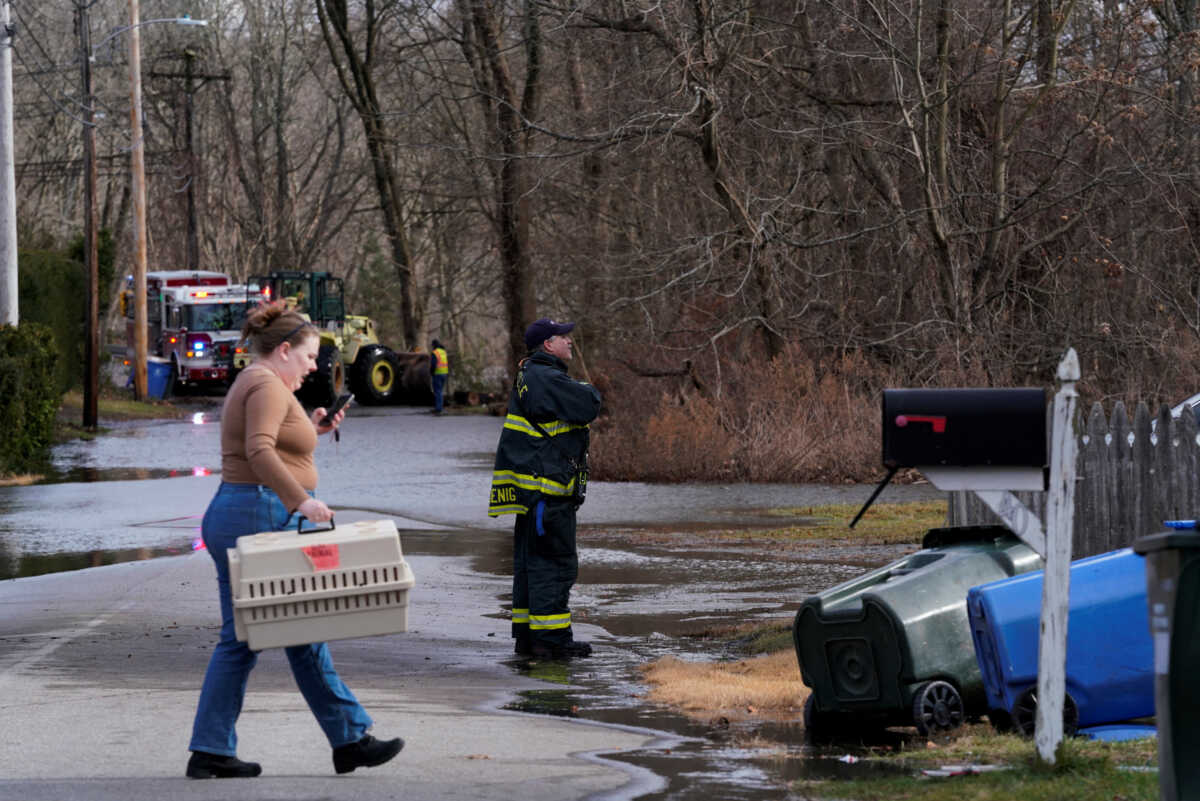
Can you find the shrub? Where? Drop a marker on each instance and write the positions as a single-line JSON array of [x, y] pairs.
[[792, 419], [29, 395], [53, 292]]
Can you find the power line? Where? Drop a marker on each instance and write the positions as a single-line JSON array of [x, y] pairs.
[[112, 164]]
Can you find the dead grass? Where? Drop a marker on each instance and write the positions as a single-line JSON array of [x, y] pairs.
[[791, 419], [762, 687], [23, 480], [118, 404], [883, 523]]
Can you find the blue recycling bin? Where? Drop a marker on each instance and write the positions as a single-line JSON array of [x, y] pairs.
[[1110, 660], [160, 375]]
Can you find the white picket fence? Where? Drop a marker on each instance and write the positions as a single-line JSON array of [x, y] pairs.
[[1130, 478]]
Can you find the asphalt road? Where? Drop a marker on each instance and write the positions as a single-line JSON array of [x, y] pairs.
[[100, 668], [100, 671]]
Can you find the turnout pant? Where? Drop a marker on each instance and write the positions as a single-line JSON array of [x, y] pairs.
[[545, 566]]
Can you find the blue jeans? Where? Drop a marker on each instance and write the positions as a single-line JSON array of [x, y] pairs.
[[236, 510], [439, 388]]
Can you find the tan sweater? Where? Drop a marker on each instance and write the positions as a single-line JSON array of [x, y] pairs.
[[266, 438]]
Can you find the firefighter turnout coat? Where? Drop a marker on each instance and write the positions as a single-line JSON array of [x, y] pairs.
[[530, 466]]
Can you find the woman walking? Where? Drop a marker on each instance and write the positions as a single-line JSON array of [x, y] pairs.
[[267, 481]]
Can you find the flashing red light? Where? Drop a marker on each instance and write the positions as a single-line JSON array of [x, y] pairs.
[[266, 291], [199, 294]]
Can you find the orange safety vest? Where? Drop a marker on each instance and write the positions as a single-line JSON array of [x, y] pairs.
[[443, 362]]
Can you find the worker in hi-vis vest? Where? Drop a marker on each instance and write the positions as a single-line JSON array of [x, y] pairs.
[[439, 368], [541, 476]]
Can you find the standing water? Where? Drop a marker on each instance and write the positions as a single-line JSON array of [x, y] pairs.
[[139, 492]]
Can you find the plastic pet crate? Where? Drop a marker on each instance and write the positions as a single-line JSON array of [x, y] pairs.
[[291, 588]]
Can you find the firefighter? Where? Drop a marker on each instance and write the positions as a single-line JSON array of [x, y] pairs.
[[439, 368], [541, 476]]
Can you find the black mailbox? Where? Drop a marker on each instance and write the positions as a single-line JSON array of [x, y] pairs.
[[964, 427]]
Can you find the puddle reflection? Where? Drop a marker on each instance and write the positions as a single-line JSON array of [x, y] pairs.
[[37, 564], [706, 760]]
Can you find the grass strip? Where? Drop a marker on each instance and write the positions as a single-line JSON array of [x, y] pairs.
[[883, 524], [1085, 770]]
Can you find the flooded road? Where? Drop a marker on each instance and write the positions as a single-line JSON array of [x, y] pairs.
[[139, 492]]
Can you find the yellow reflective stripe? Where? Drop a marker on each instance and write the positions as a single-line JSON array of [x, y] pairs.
[[547, 622], [525, 481], [520, 424], [520, 616], [508, 509], [553, 428]]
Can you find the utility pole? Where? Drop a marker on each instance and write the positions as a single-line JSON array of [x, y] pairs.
[[193, 237], [138, 158], [8, 183], [91, 372], [189, 77]]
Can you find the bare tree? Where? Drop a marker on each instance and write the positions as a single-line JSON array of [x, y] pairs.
[[353, 45]]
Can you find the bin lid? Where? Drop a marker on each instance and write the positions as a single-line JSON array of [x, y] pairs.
[[1118, 732], [1166, 541], [961, 535]]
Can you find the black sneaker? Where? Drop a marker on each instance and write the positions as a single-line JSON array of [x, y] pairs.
[[571, 649], [203, 765], [366, 753]]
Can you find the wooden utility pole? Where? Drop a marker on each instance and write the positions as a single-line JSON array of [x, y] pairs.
[[193, 239], [189, 77], [91, 371], [138, 158]]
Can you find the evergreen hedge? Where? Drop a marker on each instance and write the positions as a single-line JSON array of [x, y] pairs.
[[29, 395], [52, 290]]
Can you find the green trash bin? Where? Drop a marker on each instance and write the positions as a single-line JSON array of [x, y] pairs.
[[893, 646], [1173, 593]]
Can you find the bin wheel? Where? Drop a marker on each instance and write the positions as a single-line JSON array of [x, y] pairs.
[[937, 706], [1000, 719], [1024, 713], [817, 723]]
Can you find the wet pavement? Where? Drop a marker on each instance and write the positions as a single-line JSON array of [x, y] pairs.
[[139, 491]]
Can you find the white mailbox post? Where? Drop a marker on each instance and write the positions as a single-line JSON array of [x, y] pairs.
[[995, 486]]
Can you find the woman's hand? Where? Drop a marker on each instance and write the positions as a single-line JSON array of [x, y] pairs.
[[315, 510], [319, 414]]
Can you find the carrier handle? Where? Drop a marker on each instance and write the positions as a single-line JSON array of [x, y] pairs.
[[300, 527]]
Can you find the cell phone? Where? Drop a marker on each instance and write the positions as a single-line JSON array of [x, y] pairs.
[[337, 407]]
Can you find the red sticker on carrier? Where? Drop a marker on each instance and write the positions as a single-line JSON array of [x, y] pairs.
[[323, 557]]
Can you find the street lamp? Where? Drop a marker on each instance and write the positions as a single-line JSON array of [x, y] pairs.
[[92, 371], [115, 32]]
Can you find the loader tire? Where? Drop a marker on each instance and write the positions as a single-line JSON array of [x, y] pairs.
[[322, 386], [376, 376]]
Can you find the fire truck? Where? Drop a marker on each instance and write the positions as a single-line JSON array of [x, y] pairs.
[[194, 319]]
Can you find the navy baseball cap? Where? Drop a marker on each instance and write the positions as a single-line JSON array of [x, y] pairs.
[[541, 330]]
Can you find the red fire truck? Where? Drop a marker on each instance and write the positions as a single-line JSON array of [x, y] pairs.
[[194, 319]]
